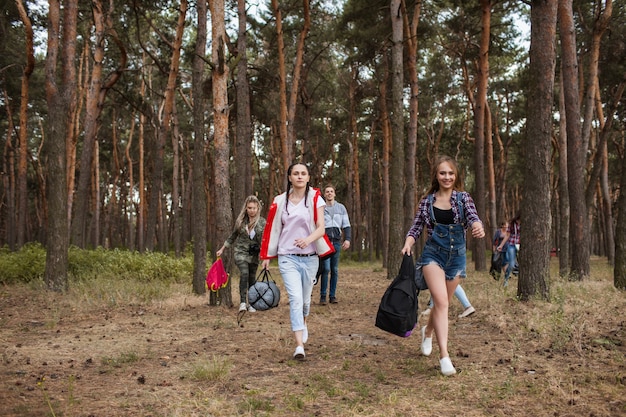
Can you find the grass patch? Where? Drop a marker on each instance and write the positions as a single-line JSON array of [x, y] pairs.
[[214, 369]]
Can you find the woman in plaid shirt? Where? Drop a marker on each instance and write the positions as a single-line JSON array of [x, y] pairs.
[[446, 212], [510, 243]]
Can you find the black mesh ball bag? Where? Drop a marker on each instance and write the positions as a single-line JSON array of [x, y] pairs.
[[264, 293]]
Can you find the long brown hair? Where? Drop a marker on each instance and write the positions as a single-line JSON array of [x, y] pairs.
[[243, 217], [434, 185]]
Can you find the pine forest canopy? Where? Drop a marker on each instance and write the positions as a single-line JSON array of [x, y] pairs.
[[165, 115]]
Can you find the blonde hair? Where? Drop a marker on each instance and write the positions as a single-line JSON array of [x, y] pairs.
[[243, 217]]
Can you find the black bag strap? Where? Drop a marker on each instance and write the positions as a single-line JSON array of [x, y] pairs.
[[265, 276]]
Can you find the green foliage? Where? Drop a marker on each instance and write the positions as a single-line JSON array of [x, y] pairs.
[[25, 265], [28, 265]]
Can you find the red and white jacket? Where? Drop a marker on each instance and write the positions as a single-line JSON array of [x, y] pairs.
[[274, 225]]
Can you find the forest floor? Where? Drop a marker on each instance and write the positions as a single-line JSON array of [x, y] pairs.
[[71, 355]]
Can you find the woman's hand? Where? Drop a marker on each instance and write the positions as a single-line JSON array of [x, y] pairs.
[[478, 231], [408, 244], [301, 243], [220, 251], [265, 263]]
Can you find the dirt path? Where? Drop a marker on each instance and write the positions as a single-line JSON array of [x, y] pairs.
[[67, 357]]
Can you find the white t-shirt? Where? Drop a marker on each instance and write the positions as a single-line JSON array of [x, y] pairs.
[[296, 221]]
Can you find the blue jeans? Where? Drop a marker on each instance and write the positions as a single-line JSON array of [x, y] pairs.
[[298, 273], [331, 264], [446, 248], [511, 258]]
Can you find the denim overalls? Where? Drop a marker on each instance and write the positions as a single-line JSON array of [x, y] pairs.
[[446, 246]]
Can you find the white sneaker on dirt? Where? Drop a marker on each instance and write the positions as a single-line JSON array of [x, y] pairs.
[[242, 307], [299, 353], [427, 343], [251, 309], [446, 366], [467, 312]]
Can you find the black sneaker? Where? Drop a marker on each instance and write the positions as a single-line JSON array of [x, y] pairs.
[[323, 300], [333, 300]]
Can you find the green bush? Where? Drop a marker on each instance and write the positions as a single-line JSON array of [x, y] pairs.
[[29, 263]]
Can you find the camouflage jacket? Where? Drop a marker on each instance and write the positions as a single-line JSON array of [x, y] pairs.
[[243, 246]]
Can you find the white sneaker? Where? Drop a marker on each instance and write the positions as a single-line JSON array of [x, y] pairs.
[[467, 312], [426, 312], [446, 366], [242, 307], [299, 353], [305, 334], [251, 309], [427, 343]]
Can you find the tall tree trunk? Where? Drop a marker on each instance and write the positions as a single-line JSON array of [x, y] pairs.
[[410, 197], [600, 24], [396, 223], [141, 207], [128, 202], [492, 215], [177, 140], [164, 131], [22, 190], [288, 104], [369, 221], [619, 272], [386, 157], [97, 199], [198, 196], [536, 220], [96, 94], [579, 229], [564, 213], [355, 172], [287, 148], [8, 177], [482, 78], [220, 76], [60, 98], [243, 140]]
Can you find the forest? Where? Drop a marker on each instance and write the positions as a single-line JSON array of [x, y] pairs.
[[143, 125]]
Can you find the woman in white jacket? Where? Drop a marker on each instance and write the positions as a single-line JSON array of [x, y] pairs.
[[294, 233]]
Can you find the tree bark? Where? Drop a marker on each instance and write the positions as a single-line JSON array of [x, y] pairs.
[[563, 193], [164, 131], [396, 223], [60, 96], [579, 229], [386, 156], [243, 139], [96, 94], [288, 104], [534, 259], [482, 79], [411, 197], [22, 180], [220, 76]]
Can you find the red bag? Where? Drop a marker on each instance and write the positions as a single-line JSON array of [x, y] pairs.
[[217, 277]]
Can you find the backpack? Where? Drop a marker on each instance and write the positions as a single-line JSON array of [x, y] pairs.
[[397, 312], [216, 278]]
